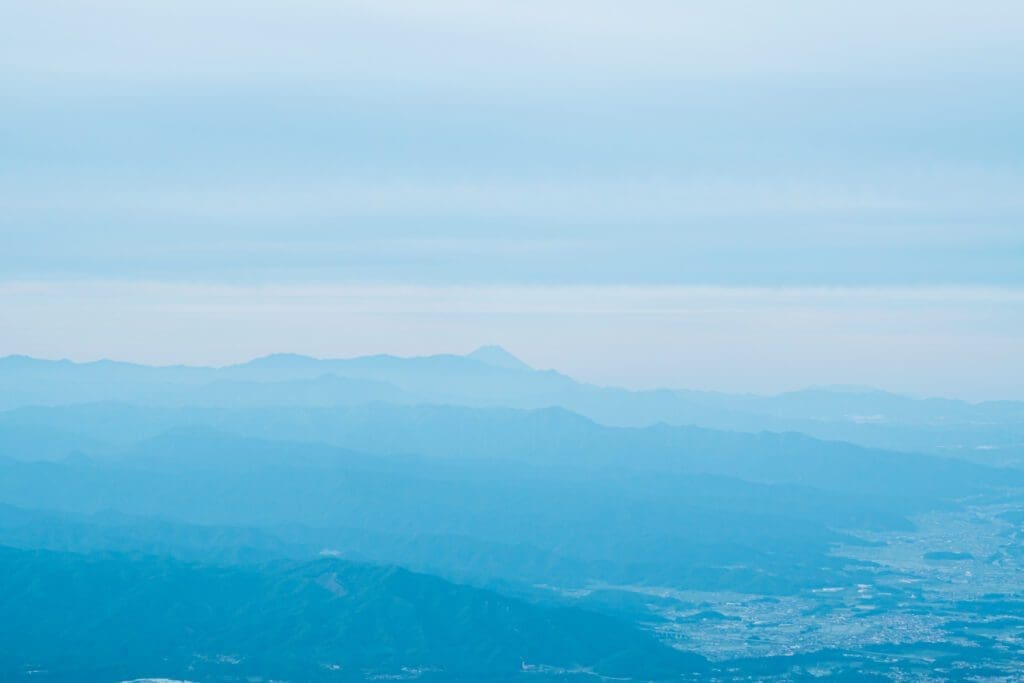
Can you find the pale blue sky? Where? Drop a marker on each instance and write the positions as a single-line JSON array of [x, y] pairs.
[[507, 149]]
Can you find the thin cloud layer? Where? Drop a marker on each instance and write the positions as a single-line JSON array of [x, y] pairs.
[[489, 43]]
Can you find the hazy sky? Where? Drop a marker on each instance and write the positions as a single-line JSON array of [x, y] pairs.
[[721, 195]]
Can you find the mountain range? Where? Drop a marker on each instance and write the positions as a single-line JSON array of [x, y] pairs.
[[490, 376]]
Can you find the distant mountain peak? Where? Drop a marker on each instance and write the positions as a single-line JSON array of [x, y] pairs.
[[498, 357], [281, 359]]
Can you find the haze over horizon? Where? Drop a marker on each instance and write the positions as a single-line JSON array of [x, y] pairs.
[[709, 196], [492, 354], [959, 342]]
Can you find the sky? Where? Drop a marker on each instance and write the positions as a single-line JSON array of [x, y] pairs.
[[721, 195]]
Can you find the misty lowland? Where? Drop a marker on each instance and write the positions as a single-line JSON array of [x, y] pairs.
[[471, 518]]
